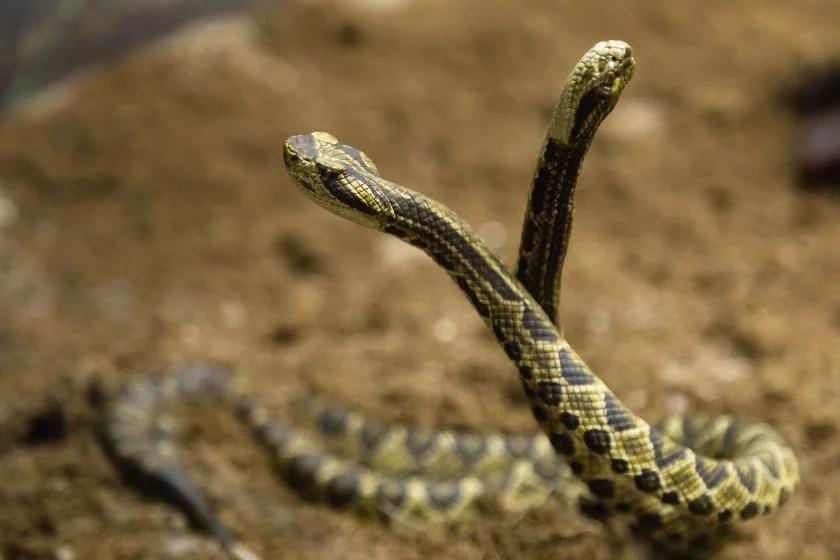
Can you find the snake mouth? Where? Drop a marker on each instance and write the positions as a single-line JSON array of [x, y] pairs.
[[607, 89], [611, 85]]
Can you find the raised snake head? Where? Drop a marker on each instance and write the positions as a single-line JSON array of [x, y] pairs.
[[338, 177]]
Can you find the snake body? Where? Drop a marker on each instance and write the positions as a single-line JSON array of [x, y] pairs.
[[683, 482]]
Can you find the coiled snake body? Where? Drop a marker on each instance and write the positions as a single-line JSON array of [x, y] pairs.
[[682, 481]]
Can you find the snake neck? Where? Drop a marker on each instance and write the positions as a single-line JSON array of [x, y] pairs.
[[548, 222], [518, 322], [478, 271]]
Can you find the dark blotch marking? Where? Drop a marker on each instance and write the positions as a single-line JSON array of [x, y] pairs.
[[418, 443], [526, 373], [725, 516], [619, 466], [773, 466], [671, 498], [345, 195], [618, 417], [594, 510], [577, 467], [540, 413], [674, 538], [747, 477], [648, 481], [300, 472], [526, 387], [332, 421], [649, 522], [512, 351], [569, 420], [471, 254], [527, 245], [689, 430], [624, 507], [598, 441], [784, 496], [421, 243], [586, 106], [391, 495], [601, 488], [480, 306], [444, 260], [443, 496], [550, 392], [275, 435], [701, 506], [342, 490], [662, 458], [499, 333], [572, 370], [730, 436], [537, 327], [545, 180], [562, 443], [373, 434], [711, 472], [469, 448], [750, 510]]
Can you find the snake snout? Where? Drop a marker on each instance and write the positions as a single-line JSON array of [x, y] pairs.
[[301, 146], [307, 148]]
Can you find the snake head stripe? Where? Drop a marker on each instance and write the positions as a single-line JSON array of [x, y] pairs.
[[592, 90], [337, 177]]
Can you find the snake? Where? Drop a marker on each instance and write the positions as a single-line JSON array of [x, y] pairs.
[[682, 483]]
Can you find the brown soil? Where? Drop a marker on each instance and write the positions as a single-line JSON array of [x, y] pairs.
[[148, 220]]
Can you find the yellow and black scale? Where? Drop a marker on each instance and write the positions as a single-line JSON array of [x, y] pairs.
[[682, 482]]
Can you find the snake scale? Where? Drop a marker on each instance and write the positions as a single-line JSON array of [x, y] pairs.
[[682, 482]]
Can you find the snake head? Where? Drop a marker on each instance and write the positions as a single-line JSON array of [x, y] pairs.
[[340, 178], [608, 67], [592, 91]]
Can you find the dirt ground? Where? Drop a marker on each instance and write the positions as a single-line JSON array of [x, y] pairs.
[[146, 220]]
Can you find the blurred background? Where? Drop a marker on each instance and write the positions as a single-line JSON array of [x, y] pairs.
[[146, 220]]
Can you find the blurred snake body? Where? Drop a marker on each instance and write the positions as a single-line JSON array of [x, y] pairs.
[[682, 482]]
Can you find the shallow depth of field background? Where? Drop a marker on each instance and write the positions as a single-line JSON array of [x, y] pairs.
[[146, 220]]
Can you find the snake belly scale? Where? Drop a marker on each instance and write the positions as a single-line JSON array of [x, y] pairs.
[[683, 482]]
